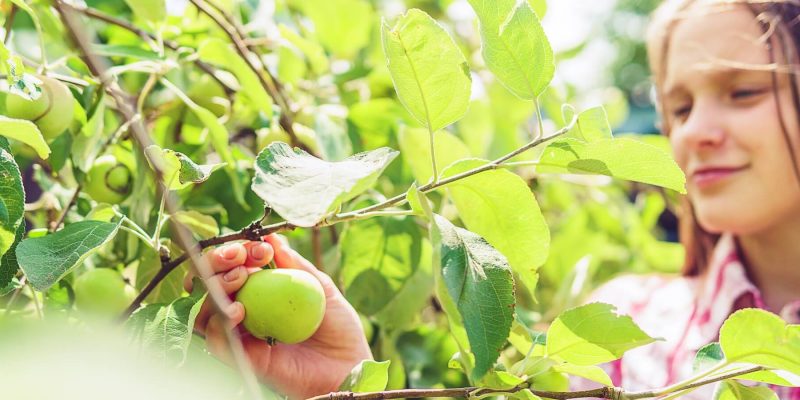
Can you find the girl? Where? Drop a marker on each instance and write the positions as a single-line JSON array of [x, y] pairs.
[[725, 73]]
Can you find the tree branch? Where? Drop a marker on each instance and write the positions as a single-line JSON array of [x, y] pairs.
[[270, 84], [255, 231], [9, 22], [99, 15], [466, 392], [219, 300]]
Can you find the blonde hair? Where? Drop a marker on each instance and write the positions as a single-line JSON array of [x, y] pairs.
[[780, 23]]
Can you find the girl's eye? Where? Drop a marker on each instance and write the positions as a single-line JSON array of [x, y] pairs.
[[682, 111], [742, 94]]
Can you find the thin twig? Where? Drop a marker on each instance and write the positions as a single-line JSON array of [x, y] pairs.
[[674, 389], [255, 231], [465, 392], [9, 22], [269, 83], [99, 15], [74, 199]]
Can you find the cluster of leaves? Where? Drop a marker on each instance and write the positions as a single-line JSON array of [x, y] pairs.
[[447, 269]]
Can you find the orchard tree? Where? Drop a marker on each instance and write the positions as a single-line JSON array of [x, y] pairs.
[[426, 161]]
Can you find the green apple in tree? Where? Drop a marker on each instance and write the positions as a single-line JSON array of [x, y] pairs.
[[52, 112], [286, 305], [102, 291], [108, 180]]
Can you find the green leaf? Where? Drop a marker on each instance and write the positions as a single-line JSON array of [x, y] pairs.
[[45, 260], [342, 26], [379, 257], [376, 121], [122, 50], [499, 206], [591, 125], [593, 334], [314, 52], [12, 198], [415, 148], [479, 282], [500, 380], [415, 199], [429, 71], [25, 132], [762, 338], [621, 158], [304, 189], [8, 261], [219, 140], [515, 46], [732, 390], [524, 394], [204, 226], [149, 10], [167, 328], [409, 301], [590, 372], [708, 356], [88, 143], [218, 53], [367, 376], [178, 170]]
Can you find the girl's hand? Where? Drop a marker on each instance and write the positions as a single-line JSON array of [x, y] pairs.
[[316, 366]]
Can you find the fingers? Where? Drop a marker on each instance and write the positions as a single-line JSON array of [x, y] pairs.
[[217, 325], [224, 258], [230, 281], [259, 254]]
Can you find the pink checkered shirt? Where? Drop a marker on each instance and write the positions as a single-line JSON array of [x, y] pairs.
[[688, 313]]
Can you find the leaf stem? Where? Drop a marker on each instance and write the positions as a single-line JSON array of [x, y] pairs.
[[35, 300], [255, 231], [144, 239], [433, 158], [160, 216], [692, 383]]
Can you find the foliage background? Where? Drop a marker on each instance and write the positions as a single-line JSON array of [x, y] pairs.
[[328, 57]]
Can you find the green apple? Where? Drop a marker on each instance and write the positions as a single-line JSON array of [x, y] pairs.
[[102, 291], [52, 112], [108, 180], [286, 305]]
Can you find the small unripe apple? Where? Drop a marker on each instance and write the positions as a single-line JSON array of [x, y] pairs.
[[108, 180], [52, 112], [286, 305], [102, 291]]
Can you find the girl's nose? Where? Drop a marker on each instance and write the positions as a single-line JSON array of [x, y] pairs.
[[703, 128]]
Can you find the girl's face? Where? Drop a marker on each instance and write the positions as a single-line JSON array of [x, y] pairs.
[[725, 131]]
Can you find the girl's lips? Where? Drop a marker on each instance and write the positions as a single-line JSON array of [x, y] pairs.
[[708, 176]]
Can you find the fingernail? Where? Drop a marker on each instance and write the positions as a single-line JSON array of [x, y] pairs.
[[231, 275], [230, 252], [233, 309], [258, 251]]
